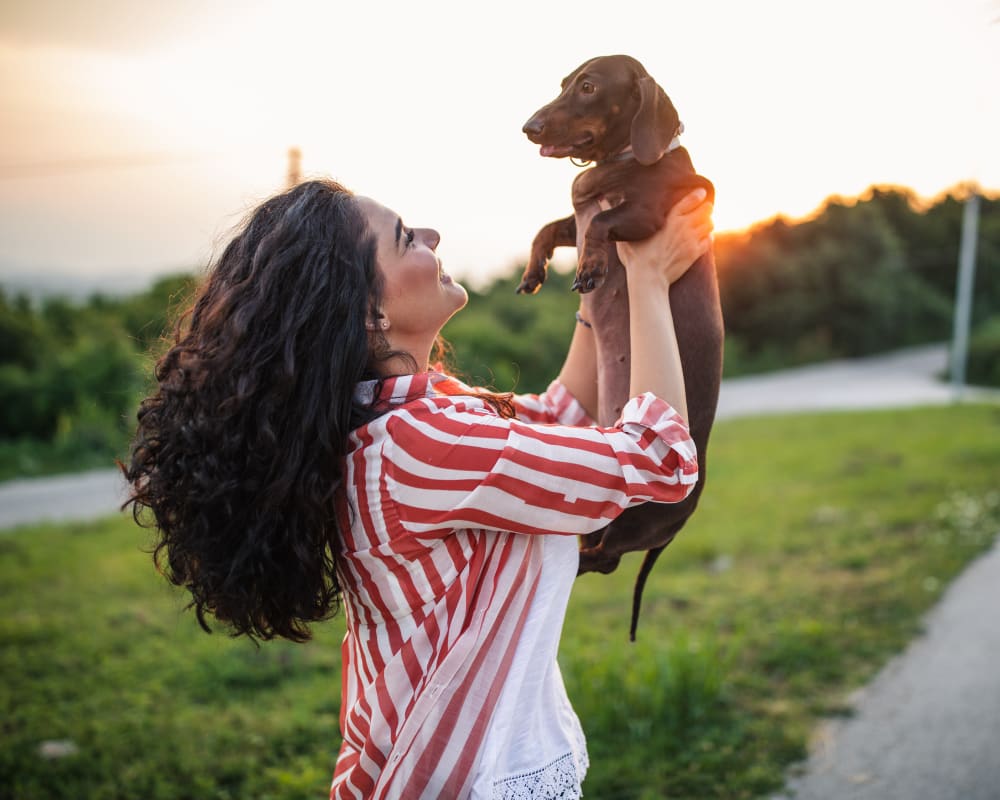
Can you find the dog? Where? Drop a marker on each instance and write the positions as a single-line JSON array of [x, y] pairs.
[[612, 113]]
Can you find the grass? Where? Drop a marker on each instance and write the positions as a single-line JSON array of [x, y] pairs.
[[820, 542], [30, 458]]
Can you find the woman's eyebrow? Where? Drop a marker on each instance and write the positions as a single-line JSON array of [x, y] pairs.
[[399, 230]]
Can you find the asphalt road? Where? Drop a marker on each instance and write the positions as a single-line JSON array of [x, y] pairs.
[[927, 727], [63, 498], [904, 378]]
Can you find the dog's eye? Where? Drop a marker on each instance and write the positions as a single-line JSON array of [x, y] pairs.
[[587, 87]]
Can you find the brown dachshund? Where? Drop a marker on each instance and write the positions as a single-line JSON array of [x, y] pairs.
[[612, 113]]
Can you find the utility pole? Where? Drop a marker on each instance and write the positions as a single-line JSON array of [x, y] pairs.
[[963, 292], [294, 177]]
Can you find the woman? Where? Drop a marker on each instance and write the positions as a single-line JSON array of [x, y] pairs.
[[298, 448]]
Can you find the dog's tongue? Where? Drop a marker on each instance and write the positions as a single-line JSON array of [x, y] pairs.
[[553, 151]]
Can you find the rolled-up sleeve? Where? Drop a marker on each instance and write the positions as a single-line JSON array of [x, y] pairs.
[[556, 405], [446, 468]]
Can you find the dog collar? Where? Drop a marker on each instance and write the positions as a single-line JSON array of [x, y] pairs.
[[627, 153]]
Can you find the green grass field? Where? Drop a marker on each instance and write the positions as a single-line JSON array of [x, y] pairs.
[[820, 542]]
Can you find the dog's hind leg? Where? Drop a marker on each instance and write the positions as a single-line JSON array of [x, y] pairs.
[[698, 322]]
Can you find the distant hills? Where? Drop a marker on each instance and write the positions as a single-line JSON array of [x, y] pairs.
[[41, 284]]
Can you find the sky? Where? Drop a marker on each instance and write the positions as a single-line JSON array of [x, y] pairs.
[[135, 135]]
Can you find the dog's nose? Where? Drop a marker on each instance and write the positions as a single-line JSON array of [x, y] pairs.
[[533, 127]]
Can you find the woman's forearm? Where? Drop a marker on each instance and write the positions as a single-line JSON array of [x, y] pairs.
[[656, 360], [579, 371]]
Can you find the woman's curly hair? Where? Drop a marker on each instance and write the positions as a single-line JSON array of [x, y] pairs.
[[239, 451]]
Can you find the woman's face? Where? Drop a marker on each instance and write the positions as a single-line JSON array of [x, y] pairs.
[[418, 297]]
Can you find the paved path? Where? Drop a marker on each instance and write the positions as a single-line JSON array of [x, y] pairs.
[[927, 728], [82, 496], [904, 378]]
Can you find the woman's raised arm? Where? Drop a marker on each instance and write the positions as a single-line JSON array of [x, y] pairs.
[[652, 265]]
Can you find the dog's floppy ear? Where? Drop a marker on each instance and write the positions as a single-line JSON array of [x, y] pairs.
[[654, 124]]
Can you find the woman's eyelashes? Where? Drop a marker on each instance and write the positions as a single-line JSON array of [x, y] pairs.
[[409, 237]]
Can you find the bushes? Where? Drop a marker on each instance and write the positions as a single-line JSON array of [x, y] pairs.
[[858, 278], [983, 366], [71, 376], [511, 341]]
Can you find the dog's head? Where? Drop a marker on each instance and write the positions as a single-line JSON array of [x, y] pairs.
[[606, 105]]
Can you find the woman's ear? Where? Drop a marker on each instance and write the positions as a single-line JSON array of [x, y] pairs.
[[378, 322], [654, 124]]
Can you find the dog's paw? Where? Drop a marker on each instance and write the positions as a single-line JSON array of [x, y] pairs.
[[592, 271], [594, 559], [587, 283], [587, 280], [534, 273], [531, 281], [528, 286]]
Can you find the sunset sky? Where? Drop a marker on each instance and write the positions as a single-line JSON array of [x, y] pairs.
[[134, 135]]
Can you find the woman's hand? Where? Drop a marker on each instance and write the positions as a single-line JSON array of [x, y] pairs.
[[670, 252]]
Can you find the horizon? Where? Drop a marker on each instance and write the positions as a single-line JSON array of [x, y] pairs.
[[80, 287]]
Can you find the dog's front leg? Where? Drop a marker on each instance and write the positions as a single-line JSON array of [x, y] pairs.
[[561, 233], [626, 222]]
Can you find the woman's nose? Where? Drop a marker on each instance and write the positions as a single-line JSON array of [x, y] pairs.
[[431, 237]]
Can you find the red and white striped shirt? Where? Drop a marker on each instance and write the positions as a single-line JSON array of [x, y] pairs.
[[443, 510]]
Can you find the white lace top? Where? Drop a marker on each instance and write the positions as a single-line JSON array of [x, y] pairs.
[[535, 748]]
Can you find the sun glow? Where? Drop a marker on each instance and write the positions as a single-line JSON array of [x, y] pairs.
[[423, 110]]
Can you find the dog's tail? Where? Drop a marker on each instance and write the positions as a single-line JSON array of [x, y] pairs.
[[640, 583]]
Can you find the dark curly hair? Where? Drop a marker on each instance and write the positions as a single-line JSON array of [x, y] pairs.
[[238, 453]]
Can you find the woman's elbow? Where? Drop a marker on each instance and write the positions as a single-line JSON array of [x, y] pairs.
[[683, 477]]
